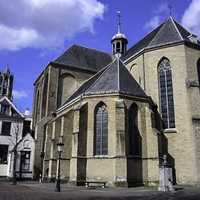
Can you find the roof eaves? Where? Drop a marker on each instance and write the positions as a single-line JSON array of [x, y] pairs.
[[41, 73], [12, 104], [64, 106], [74, 67]]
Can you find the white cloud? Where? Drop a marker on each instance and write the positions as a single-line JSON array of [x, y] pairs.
[[153, 22], [46, 23], [19, 94], [159, 14], [191, 17]]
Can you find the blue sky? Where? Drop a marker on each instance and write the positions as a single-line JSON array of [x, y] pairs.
[[35, 32]]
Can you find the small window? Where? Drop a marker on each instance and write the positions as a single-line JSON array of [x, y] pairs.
[[25, 160], [5, 109], [26, 127], [3, 154], [118, 49], [5, 85], [6, 127]]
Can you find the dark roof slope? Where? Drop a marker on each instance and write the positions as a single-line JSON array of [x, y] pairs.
[[114, 78], [168, 32], [84, 58]]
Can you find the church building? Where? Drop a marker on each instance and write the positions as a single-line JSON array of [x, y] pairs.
[[119, 114]]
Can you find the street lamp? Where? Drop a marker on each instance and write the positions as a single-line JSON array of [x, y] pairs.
[[60, 149], [42, 160]]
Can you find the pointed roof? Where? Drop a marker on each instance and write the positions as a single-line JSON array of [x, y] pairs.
[[168, 32], [114, 78], [84, 58], [5, 101]]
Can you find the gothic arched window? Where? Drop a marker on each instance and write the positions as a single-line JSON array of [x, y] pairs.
[[101, 130], [37, 107], [44, 97], [166, 93], [67, 85], [198, 70], [134, 135]]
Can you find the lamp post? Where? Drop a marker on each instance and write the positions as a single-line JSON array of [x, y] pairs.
[[42, 159], [60, 149]]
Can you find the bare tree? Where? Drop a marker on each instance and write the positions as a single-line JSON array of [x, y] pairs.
[[16, 140]]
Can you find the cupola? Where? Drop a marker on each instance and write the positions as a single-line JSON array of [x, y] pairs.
[[119, 40]]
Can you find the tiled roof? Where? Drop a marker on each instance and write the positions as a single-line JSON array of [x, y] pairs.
[[168, 32], [114, 78], [84, 58]]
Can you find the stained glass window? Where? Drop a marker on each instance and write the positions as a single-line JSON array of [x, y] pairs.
[[166, 93], [101, 130]]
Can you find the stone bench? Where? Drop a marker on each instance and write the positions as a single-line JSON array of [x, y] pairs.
[[95, 184]]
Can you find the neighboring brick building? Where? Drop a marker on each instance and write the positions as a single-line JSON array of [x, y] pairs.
[[107, 110]]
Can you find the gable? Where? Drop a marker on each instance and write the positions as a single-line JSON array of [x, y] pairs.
[[7, 108]]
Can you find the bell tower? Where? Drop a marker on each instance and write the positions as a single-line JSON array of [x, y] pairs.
[[6, 83], [119, 41]]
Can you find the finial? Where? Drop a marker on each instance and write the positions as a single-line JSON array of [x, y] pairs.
[[170, 9], [119, 21], [7, 69]]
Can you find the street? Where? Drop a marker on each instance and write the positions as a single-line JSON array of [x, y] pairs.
[[46, 191]]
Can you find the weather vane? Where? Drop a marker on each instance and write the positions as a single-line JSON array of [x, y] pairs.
[[170, 9], [119, 21]]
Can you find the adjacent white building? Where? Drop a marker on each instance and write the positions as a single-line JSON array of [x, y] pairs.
[[15, 131]]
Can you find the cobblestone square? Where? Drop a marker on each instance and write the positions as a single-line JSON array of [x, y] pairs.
[[46, 191]]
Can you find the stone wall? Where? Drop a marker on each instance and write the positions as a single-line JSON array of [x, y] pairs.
[[52, 96], [180, 139]]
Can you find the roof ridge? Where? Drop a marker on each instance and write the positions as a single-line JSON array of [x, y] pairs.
[[89, 48], [154, 31], [171, 18], [125, 68], [107, 66], [162, 27]]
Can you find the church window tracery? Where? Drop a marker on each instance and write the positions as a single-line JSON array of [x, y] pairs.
[[166, 93], [101, 130]]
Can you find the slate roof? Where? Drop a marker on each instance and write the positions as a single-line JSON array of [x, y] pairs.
[[168, 32], [114, 78], [84, 58]]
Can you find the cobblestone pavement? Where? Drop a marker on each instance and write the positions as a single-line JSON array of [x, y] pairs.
[[35, 191]]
